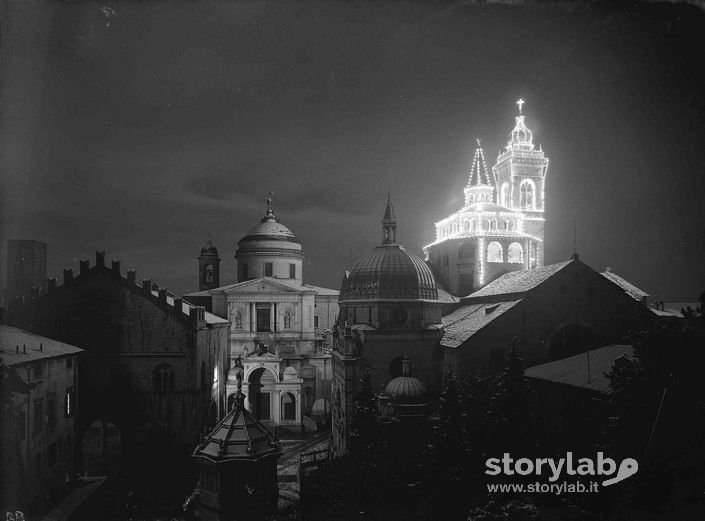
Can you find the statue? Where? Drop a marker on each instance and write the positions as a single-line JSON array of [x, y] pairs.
[[268, 199]]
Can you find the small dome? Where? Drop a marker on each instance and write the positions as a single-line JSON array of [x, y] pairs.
[[406, 389], [389, 272], [290, 373]]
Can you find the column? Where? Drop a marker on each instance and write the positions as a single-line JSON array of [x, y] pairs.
[[299, 405], [276, 406], [271, 316]]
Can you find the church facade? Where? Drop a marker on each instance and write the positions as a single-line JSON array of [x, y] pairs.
[[280, 328], [500, 227]]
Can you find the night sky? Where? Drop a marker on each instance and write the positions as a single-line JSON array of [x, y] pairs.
[[142, 127]]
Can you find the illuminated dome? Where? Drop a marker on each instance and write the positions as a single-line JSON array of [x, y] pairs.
[[406, 389]]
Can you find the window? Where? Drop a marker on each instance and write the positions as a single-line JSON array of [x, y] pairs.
[[315, 321], [515, 253], [292, 271], [209, 273], [504, 195], [494, 252], [263, 319], [69, 401], [466, 226], [51, 410], [526, 193], [268, 269], [288, 407], [163, 378], [38, 415], [21, 425]]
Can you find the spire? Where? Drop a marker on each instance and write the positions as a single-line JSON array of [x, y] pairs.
[[479, 175], [389, 223], [405, 366], [269, 215]]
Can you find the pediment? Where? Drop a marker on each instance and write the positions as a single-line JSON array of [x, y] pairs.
[[266, 285]]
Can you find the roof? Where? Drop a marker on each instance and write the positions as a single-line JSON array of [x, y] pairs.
[[389, 272], [324, 292], [628, 287], [270, 229], [479, 175], [573, 371], [446, 298], [29, 346], [673, 309], [238, 436], [467, 320], [519, 281], [186, 307]]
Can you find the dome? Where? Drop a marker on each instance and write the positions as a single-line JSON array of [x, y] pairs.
[[389, 272], [488, 207], [406, 389], [269, 229]]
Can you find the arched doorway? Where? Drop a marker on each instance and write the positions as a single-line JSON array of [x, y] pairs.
[[288, 407], [101, 448], [571, 339], [260, 385]]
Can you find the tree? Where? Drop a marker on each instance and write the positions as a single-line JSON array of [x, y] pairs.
[[509, 418]]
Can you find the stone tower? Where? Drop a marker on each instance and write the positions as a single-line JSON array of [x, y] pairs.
[[208, 267]]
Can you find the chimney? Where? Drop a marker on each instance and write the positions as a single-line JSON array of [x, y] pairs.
[[131, 275], [115, 266], [68, 276], [162, 295], [84, 266], [147, 285], [177, 304], [51, 285], [575, 256], [100, 258]]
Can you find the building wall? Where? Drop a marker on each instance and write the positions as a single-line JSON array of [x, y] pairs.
[[130, 336], [41, 427], [575, 295]]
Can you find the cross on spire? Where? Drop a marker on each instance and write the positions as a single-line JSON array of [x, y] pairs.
[[520, 103]]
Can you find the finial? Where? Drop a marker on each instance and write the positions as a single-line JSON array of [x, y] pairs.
[[520, 102], [478, 142], [389, 223], [268, 199], [405, 366]]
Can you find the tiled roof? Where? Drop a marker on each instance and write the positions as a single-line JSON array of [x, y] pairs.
[[467, 320], [447, 298], [29, 343], [628, 287], [519, 281], [325, 292], [573, 370]]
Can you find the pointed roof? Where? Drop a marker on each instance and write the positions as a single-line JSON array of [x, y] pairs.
[[209, 249], [479, 174], [239, 436], [389, 215]]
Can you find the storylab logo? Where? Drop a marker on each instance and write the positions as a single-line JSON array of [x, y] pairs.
[[579, 474]]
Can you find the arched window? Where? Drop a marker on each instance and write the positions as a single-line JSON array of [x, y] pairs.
[[506, 225], [504, 195], [494, 252], [511, 225], [493, 224], [527, 193], [515, 253], [163, 378], [209, 273], [486, 225], [466, 225], [287, 319], [288, 407], [473, 225]]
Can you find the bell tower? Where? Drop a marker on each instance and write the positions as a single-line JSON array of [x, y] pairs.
[[208, 267], [521, 178]]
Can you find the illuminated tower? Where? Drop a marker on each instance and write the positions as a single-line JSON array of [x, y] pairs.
[[521, 177], [500, 226]]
